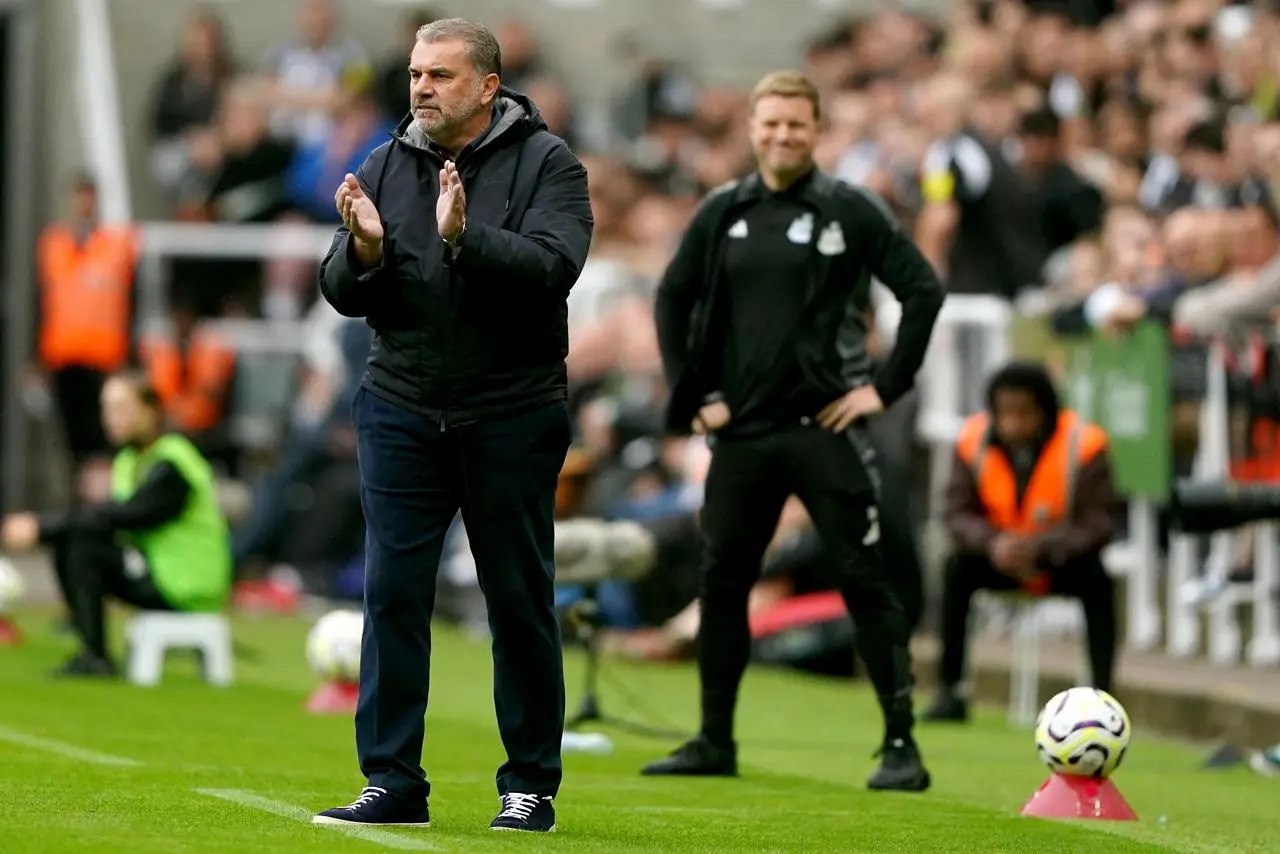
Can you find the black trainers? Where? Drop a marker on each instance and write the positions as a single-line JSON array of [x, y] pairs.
[[947, 706], [697, 758], [901, 769], [88, 664], [527, 813], [377, 806]]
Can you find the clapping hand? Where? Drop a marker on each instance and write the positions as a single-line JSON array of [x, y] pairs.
[[451, 207], [357, 211], [361, 219]]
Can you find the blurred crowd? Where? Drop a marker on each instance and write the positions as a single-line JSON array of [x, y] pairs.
[[1098, 163]]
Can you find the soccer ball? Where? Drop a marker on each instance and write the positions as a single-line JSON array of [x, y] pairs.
[[333, 646], [11, 585], [1083, 732]]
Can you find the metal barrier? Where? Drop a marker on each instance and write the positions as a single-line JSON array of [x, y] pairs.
[[1224, 642]]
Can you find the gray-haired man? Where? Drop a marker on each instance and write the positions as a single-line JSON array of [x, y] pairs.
[[462, 408]]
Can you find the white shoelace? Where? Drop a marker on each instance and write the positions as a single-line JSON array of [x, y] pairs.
[[518, 805], [368, 795]]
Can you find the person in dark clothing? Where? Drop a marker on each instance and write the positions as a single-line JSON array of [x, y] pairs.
[[777, 370], [1030, 506], [1069, 207], [462, 407], [164, 508]]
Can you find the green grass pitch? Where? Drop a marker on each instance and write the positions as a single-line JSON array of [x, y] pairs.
[[108, 768]]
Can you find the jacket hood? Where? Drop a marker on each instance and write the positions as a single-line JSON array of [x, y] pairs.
[[514, 114]]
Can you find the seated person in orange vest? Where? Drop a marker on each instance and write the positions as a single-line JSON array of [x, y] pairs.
[[191, 369], [160, 543], [1031, 505]]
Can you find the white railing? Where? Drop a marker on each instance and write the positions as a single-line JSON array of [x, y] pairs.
[[1224, 642], [163, 241], [262, 341]]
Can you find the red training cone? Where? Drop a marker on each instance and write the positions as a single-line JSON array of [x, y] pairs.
[[334, 698], [1065, 796], [265, 597], [9, 634]]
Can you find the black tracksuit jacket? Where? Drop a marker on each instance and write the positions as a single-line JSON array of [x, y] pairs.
[[691, 316]]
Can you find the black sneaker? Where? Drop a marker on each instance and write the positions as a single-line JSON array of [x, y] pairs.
[[948, 706], [88, 664], [901, 769], [527, 813], [697, 758], [377, 806]]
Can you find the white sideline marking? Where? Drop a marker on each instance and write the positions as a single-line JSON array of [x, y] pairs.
[[293, 811], [67, 751]]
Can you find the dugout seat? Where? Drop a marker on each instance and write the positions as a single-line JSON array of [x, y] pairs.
[[153, 633]]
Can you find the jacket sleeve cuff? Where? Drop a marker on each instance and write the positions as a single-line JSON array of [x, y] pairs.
[[359, 270], [889, 392]]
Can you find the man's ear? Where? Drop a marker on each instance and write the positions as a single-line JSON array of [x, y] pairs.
[[490, 89]]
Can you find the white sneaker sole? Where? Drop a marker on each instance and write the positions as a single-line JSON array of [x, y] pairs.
[[551, 829], [327, 819]]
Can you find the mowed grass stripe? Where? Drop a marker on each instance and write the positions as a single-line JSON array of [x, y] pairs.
[[297, 813], [65, 750]]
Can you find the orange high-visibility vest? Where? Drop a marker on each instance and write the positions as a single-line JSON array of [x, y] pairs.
[[84, 296], [192, 386], [1050, 493]]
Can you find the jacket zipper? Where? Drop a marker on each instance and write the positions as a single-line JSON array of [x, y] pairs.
[[450, 322], [444, 355]]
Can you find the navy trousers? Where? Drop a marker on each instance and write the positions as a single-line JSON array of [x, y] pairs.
[[414, 478]]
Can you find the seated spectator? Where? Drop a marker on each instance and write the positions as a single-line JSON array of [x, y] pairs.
[[160, 543], [248, 165], [246, 186], [1117, 164], [318, 167], [1146, 276], [1030, 506], [186, 102], [1210, 177], [191, 370], [308, 72], [1248, 296]]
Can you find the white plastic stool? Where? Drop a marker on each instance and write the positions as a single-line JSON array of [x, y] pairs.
[[152, 633]]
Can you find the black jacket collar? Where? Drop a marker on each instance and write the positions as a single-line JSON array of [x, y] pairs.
[[814, 189]]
